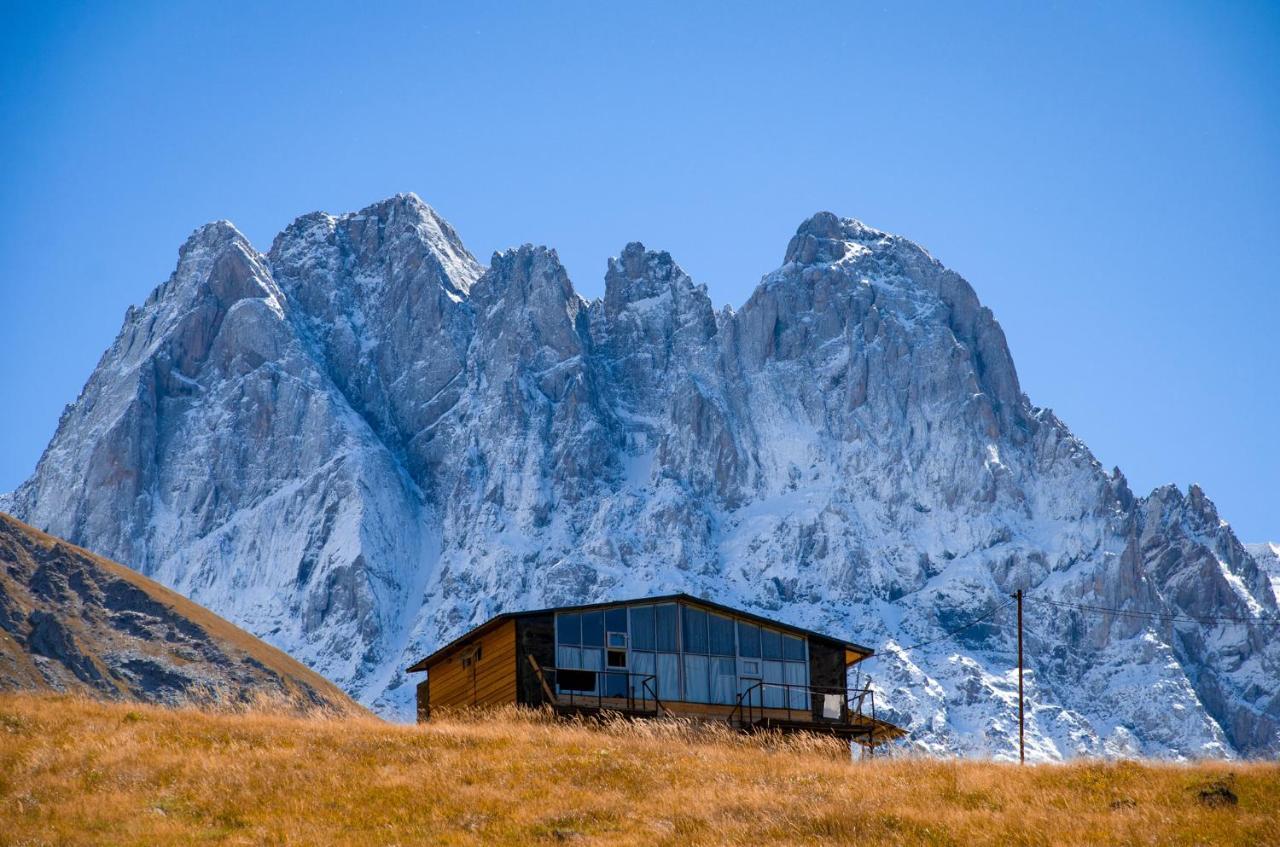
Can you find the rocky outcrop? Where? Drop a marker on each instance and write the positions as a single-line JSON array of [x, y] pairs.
[[362, 442], [73, 622]]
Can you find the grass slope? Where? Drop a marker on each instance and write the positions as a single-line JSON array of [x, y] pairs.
[[73, 771], [259, 666]]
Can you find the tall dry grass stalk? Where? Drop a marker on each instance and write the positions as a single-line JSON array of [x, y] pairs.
[[78, 772]]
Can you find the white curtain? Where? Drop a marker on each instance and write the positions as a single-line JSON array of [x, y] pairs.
[[668, 670], [696, 689]]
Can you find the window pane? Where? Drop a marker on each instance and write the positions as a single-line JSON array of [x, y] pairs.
[[642, 666], [696, 689], [748, 640], [593, 660], [642, 628], [665, 627], [642, 662], [774, 695], [695, 630], [720, 635], [593, 629], [793, 648], [723, 681], [668, 670], [569, 629], [797, 675], [615, 620], [568, 657], [576, 681], [771, 644]]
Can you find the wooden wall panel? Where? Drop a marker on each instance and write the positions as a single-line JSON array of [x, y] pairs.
[[493, 681]]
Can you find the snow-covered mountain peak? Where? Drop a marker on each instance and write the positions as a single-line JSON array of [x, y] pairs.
[[400, 443], [826, 237]]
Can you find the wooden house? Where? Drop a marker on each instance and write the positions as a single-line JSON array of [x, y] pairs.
[[674, 655]]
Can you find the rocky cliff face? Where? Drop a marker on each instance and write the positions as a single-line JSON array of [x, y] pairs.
[[362, 442], [73, 622]]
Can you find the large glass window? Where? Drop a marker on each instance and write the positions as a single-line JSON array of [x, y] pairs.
[[770, 644], [695, 630], [775, 695], [696, 687], [723, 681], [692, 654], [569, 629], [748, 640], [797, 674], [793, 648], [668, 670], [642, 666], [665, 626], [568, 657], [642, 634], [720, 636], [593, 629]]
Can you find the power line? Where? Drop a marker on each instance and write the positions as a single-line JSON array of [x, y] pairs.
[[959, 629], [1150, 615]]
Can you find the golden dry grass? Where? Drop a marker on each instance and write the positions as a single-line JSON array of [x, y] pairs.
[[78, 772]]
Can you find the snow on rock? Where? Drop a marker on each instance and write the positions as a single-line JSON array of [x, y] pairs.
[[362, 443]]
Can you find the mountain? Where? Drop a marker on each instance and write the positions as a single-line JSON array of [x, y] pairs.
[[1267, 555], [71, 621], [363, 442]]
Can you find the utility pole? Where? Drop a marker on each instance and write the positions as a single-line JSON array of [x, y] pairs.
[[1022, 730]]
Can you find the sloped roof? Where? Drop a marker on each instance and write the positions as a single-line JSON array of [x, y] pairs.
[[850, 647]]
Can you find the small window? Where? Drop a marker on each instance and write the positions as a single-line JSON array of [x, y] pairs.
[[617, 658], [617, 640], [751, 667], [470, 656]]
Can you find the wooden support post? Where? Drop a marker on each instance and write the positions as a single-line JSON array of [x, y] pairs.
[[546, 689]]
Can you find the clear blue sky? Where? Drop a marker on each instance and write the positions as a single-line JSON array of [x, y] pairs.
[[1106, 175]]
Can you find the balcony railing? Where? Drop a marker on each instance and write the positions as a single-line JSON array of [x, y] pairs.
[[615, 689], [762, 702]]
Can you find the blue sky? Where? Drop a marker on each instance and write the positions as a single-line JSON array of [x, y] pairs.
[[1106, 175]]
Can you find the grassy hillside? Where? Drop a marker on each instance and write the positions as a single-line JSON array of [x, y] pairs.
[[78, 772], [72, 621]]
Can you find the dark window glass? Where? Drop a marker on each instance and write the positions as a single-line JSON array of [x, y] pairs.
[[593, 629], [569, 629], [576, 680], [665, 627], [642, 628], [695, 630], [720, 635], [615, 620], [616, 658], [771, 644], [792, 648], [748, 640]]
